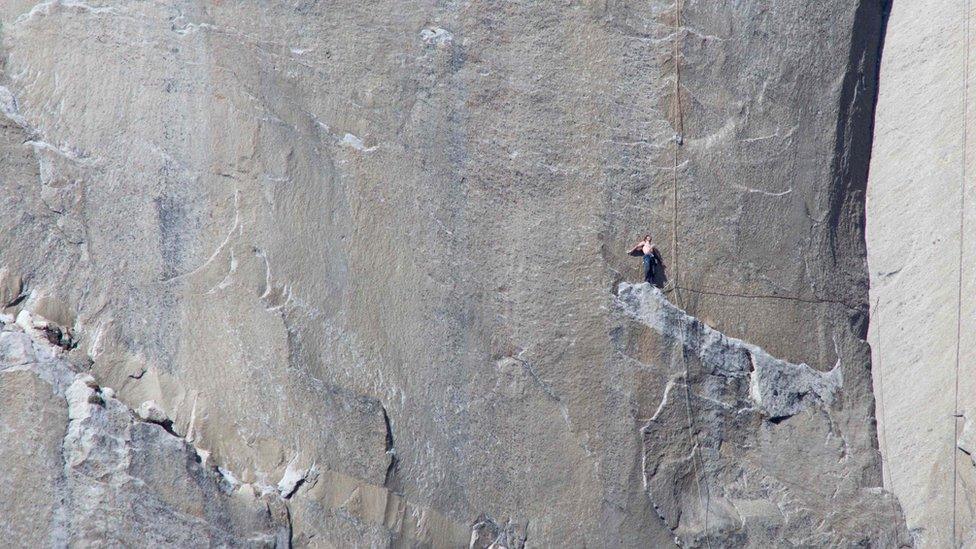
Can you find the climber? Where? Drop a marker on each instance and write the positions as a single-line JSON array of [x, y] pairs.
[[652, 258]]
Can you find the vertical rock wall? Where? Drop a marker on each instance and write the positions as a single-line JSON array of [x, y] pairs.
[[922, 250], [365, 251]]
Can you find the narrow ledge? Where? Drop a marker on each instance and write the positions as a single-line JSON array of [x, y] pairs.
[[778, 388]]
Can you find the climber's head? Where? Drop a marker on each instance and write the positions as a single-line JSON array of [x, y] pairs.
[[647, 238]]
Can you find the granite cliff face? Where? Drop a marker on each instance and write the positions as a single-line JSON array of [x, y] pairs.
[[363, 256], [723, 460], [82, 469], [921, 234]]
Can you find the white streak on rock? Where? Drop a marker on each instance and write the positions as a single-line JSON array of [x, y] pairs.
[[436, 36], [778, 388], [49, 7], [63, 152], [350, 140], [151, 412], [664, 399], [761, 191], [290, 480]]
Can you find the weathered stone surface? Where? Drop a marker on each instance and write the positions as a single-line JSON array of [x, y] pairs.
[[374, 243], [79, 468], [921, 231], [744, 449], [33, 420]]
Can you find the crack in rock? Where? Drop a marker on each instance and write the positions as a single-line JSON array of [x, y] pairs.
[[486, 533], [126, 475]]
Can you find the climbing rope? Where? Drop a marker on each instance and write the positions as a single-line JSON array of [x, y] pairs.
[[678, 139], [698, 465], [886, 455], [695, 447], [962, 236]]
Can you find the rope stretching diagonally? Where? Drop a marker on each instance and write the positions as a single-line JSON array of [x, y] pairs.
[[962, 235]]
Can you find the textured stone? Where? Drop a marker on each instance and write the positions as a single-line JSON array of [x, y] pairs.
[[132, 483], [921, 233], [81, 470], [380, 239], [151, 412], [777, 388], [15, 349], [726, 463], [33, 420]]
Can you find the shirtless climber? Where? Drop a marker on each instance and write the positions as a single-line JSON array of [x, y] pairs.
[[652, 259]]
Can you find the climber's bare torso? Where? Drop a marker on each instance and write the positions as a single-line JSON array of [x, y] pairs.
[[646, 248], [651, 260]]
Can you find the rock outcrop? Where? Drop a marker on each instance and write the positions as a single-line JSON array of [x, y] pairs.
[[743, 449], [364, 253], [81, 468], [921, 231]]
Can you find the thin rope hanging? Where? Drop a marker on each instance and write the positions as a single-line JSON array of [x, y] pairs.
[[883, 422], [679, 129], [962, 235], [698, 464]]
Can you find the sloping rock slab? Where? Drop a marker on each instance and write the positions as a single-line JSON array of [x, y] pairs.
[[742, 450]]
